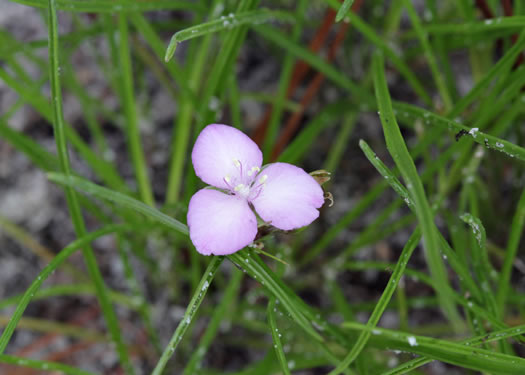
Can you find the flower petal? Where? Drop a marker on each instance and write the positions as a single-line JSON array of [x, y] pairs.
[[219, 223], [290, 197], [220, 151]]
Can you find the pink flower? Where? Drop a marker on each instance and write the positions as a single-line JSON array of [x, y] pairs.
[[221, 217]]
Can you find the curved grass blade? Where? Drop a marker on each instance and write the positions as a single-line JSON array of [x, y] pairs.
[[382, 303], [226, 23], [42, 365], [463, 355], [119, 198], [489, 141], [44, 274], [259, 271], [191, 310], [475, 341], [386, 173], [452, 258], [398, 149]]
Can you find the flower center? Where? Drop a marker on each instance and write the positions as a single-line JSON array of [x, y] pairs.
[[245, 184]]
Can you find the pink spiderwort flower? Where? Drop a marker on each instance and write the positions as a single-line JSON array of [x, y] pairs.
[[221, 220]]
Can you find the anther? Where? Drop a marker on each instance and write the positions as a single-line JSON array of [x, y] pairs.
[[253, 170], [237, 163], [263, 179]]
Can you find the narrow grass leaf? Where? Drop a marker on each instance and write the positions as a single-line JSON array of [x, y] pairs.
[[429, 54], [276, 336], [382, 303], [259, 271], [343, 10], [397, 148], [71, 198], [386, 173], [48, 270], [489, 141], [220, 316], [516, 234], [118, 198], [226, 23], [462, 355], [128, 101], [42, 365], [191, 310], [475, 341], [486, 26]]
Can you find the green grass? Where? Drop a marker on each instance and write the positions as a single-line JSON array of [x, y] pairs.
[[419, 123]]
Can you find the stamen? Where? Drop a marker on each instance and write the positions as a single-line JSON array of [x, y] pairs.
[[263, 179], [253, 170], [238, 164], [239, 187], [227, 180]]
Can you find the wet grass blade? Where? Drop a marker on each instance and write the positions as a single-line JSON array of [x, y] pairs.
[[463, 355], [475, 341], [399, 152], [191, 310], [225, 23], [489, 141], [383, 302], [276, 336]]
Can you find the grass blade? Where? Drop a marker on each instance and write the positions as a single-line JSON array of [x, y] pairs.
[[48, 270], [276, 337], [72, 201], [259, 271], [475, 341], [132, 127], [191, 310], [343, 10], [489, 141], [225, 23], [382, 303], [42, 365], [516, 233], [397, 148], [446, 351], [119, 198]]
